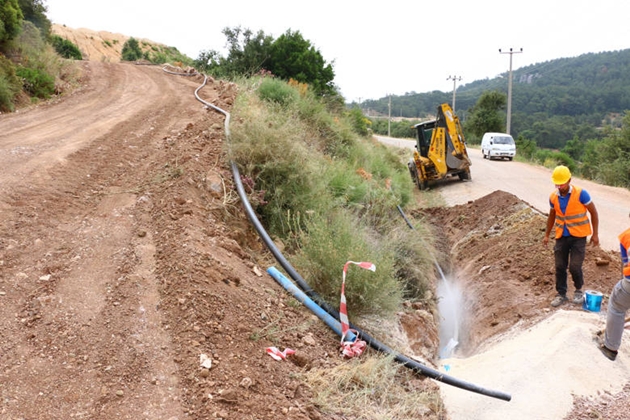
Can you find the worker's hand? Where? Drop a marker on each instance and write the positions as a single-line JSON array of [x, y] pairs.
[[595, 240], [545, 240]]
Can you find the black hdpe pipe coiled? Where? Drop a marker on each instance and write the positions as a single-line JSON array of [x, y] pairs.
[[375, 344]]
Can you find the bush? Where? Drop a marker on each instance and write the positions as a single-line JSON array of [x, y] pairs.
[[37, 82], [276, 91], [526, 147], [360, 124], [10, 84], [6, 95], [328, 195], [327, 244], [615, 173], [65, 48], [131, 50]]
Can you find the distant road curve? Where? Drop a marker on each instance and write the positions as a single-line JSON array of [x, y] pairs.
[[531, 184]]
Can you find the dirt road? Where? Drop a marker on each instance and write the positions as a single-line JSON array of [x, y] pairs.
[[532, 184], [121, 261], [75, 307]]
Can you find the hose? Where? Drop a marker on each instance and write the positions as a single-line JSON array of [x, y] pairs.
[[375, 344], [329, 320], [316, 299]]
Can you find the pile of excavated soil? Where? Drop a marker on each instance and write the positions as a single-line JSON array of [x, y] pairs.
[[512, 340], [499, 262]]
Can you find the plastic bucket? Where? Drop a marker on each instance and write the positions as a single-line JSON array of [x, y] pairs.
[[592, 301]]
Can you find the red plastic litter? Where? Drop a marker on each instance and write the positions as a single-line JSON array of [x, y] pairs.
[[279, 355]]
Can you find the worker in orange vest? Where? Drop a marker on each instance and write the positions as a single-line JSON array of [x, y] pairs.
[[569, 205], [618, 304]]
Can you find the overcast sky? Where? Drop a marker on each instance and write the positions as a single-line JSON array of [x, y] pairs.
[[393, 48]]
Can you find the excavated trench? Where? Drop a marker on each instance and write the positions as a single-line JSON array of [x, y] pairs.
[[495, 298], [496, 272]]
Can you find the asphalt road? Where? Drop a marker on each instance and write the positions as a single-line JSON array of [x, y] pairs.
[[533, 185]]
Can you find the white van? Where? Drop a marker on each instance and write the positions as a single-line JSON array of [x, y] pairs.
[[498, 145]]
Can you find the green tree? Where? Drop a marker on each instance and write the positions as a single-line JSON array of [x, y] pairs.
[[574, 148], [248, 53], [10, 19], [35, 11], [293, 57], [486, 115], [208, 61], [608, 160], [131, 50]]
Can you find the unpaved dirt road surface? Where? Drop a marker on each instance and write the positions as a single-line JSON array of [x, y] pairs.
[[126, 260]]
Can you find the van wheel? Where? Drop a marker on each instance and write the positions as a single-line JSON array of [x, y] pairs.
[[510, 158]]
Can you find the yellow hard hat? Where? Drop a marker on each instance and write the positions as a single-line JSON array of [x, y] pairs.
[[561, 175]]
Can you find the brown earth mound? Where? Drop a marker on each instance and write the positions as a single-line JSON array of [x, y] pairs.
[[505, 272]]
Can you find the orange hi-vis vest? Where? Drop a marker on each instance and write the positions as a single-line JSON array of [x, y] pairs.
[[624, 240], [575, 217]]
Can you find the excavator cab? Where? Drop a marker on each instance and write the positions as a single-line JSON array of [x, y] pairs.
[[440, 149], [424, 132]]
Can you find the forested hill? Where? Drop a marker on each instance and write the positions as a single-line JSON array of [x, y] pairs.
[[552, 102]]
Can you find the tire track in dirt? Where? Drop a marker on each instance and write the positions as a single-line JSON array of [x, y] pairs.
[[80, 301]]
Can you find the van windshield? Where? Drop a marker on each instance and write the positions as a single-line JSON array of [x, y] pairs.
[[503, 140]]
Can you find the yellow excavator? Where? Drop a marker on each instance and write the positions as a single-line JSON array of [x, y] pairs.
[[440, 150]]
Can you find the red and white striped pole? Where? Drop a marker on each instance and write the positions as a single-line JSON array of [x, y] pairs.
[[350, 349]]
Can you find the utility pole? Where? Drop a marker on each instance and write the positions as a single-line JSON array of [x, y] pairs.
[[509, 105], [389, 118], [455, 79]]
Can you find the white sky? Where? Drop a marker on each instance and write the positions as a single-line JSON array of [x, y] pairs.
[[393, 48]]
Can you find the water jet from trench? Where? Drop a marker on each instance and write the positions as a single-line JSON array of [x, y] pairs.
[[451, 309]]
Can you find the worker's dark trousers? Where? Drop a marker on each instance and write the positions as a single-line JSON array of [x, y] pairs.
[[569, 252]]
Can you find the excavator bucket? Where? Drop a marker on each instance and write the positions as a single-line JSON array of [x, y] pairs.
[[456, 154]]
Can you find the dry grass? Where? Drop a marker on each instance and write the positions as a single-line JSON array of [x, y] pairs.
[[375, 387]]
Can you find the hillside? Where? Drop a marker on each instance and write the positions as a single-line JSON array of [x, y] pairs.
[[552, 102], [107, 47], [100, 46]]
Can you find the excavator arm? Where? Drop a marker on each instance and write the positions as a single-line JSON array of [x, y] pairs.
[[445, 153]]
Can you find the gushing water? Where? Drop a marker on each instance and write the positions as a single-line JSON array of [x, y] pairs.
[[450, 306]]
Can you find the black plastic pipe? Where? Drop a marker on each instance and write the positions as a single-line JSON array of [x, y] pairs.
[[375, 344], [372, 342]]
